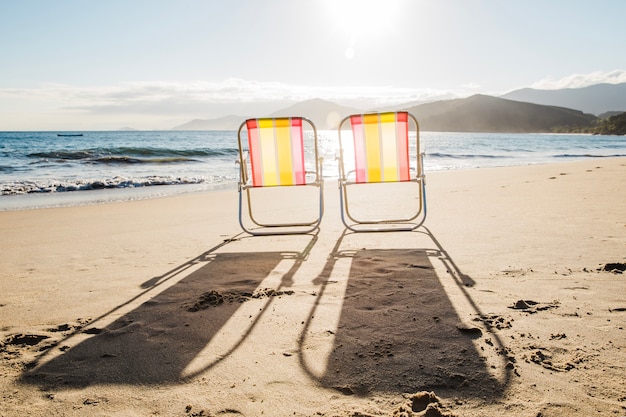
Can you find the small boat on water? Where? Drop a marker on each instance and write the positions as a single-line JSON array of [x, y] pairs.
[[69, 134]]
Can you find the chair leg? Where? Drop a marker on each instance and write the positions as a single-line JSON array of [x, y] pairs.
[[385, 226], [279, 229]]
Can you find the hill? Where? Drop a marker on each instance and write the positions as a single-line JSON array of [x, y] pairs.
[[481, 113], [614, 125], [595, 99], [611, 125], [325, 114], [478, 113], [222, 123]]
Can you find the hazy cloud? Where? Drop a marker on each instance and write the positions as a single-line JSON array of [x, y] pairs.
[[162, 104], [582, 80], [201, 98], [471, 86]]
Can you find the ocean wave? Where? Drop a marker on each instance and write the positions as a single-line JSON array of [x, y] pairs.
[[168, 152], [589, 155], [131, 160], [132, 155], [64, 155], [463, 156], [51, 186]]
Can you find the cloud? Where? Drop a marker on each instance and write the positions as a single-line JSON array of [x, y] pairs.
[[162, 104], [582, 80], [200, 97], [471, 86]]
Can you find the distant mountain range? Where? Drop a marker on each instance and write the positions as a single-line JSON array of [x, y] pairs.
[[325, 114], [222, 123], [595, 99], [524, 110]]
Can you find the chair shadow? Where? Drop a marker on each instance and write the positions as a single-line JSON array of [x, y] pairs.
[[398, 330], [154, 340]]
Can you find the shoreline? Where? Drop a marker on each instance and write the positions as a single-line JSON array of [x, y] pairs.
[[499, 305], [33, 201], [36, 201]]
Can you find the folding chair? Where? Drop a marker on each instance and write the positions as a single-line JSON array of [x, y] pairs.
[[275, 157], [379, 152]]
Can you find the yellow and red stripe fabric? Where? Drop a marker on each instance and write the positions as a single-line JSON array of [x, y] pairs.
[[276, 151], [381, 147]]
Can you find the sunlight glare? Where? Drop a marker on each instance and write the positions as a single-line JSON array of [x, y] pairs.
[[364, 19]]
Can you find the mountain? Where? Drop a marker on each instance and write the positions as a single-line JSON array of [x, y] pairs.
[[325, 114], [478, 113], [222, 123], [595, 99], [481, 113]]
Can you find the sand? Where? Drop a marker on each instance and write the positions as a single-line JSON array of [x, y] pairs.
[[510, 301]]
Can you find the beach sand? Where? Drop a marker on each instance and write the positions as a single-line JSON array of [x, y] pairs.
[[510, 301]]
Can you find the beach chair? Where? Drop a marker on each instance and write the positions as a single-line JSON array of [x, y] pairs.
[[275, 157], [379, 151]]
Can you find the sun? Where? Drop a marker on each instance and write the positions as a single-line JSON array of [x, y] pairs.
[[363, 20]]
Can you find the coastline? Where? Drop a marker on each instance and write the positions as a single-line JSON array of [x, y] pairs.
[[43, 200], [107, 196], [39, 171], [357, 323]]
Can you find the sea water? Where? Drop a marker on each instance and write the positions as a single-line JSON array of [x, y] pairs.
[[46, 169]]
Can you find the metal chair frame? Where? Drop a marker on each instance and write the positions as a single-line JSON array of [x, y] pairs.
[[246, 183], [410, 223]]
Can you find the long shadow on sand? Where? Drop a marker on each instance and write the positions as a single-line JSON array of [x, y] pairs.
[[399, 328], [153, 339]]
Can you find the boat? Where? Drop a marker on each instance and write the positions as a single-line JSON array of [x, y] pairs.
[[69, 134]]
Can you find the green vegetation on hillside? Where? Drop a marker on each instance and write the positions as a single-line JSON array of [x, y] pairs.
[[614, 125]]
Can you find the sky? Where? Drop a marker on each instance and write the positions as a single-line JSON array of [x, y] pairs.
[[155, 64]]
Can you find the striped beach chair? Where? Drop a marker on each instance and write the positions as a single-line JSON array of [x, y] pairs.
[[275, 157], [380, 152]]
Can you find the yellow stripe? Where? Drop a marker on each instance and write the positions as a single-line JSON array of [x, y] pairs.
[[268, 152], [390, 148], [388, 118], [283, 144], [265, 123], [372, 147]]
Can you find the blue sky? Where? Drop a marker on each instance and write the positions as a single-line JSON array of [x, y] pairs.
[[153, 64]]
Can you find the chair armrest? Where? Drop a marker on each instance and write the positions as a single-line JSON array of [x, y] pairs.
[[243, 168], [321, 168]]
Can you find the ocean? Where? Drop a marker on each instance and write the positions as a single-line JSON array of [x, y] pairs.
[[49, 169]]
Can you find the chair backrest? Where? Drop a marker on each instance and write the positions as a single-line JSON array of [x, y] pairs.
[[381, 147], [276, 148]]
